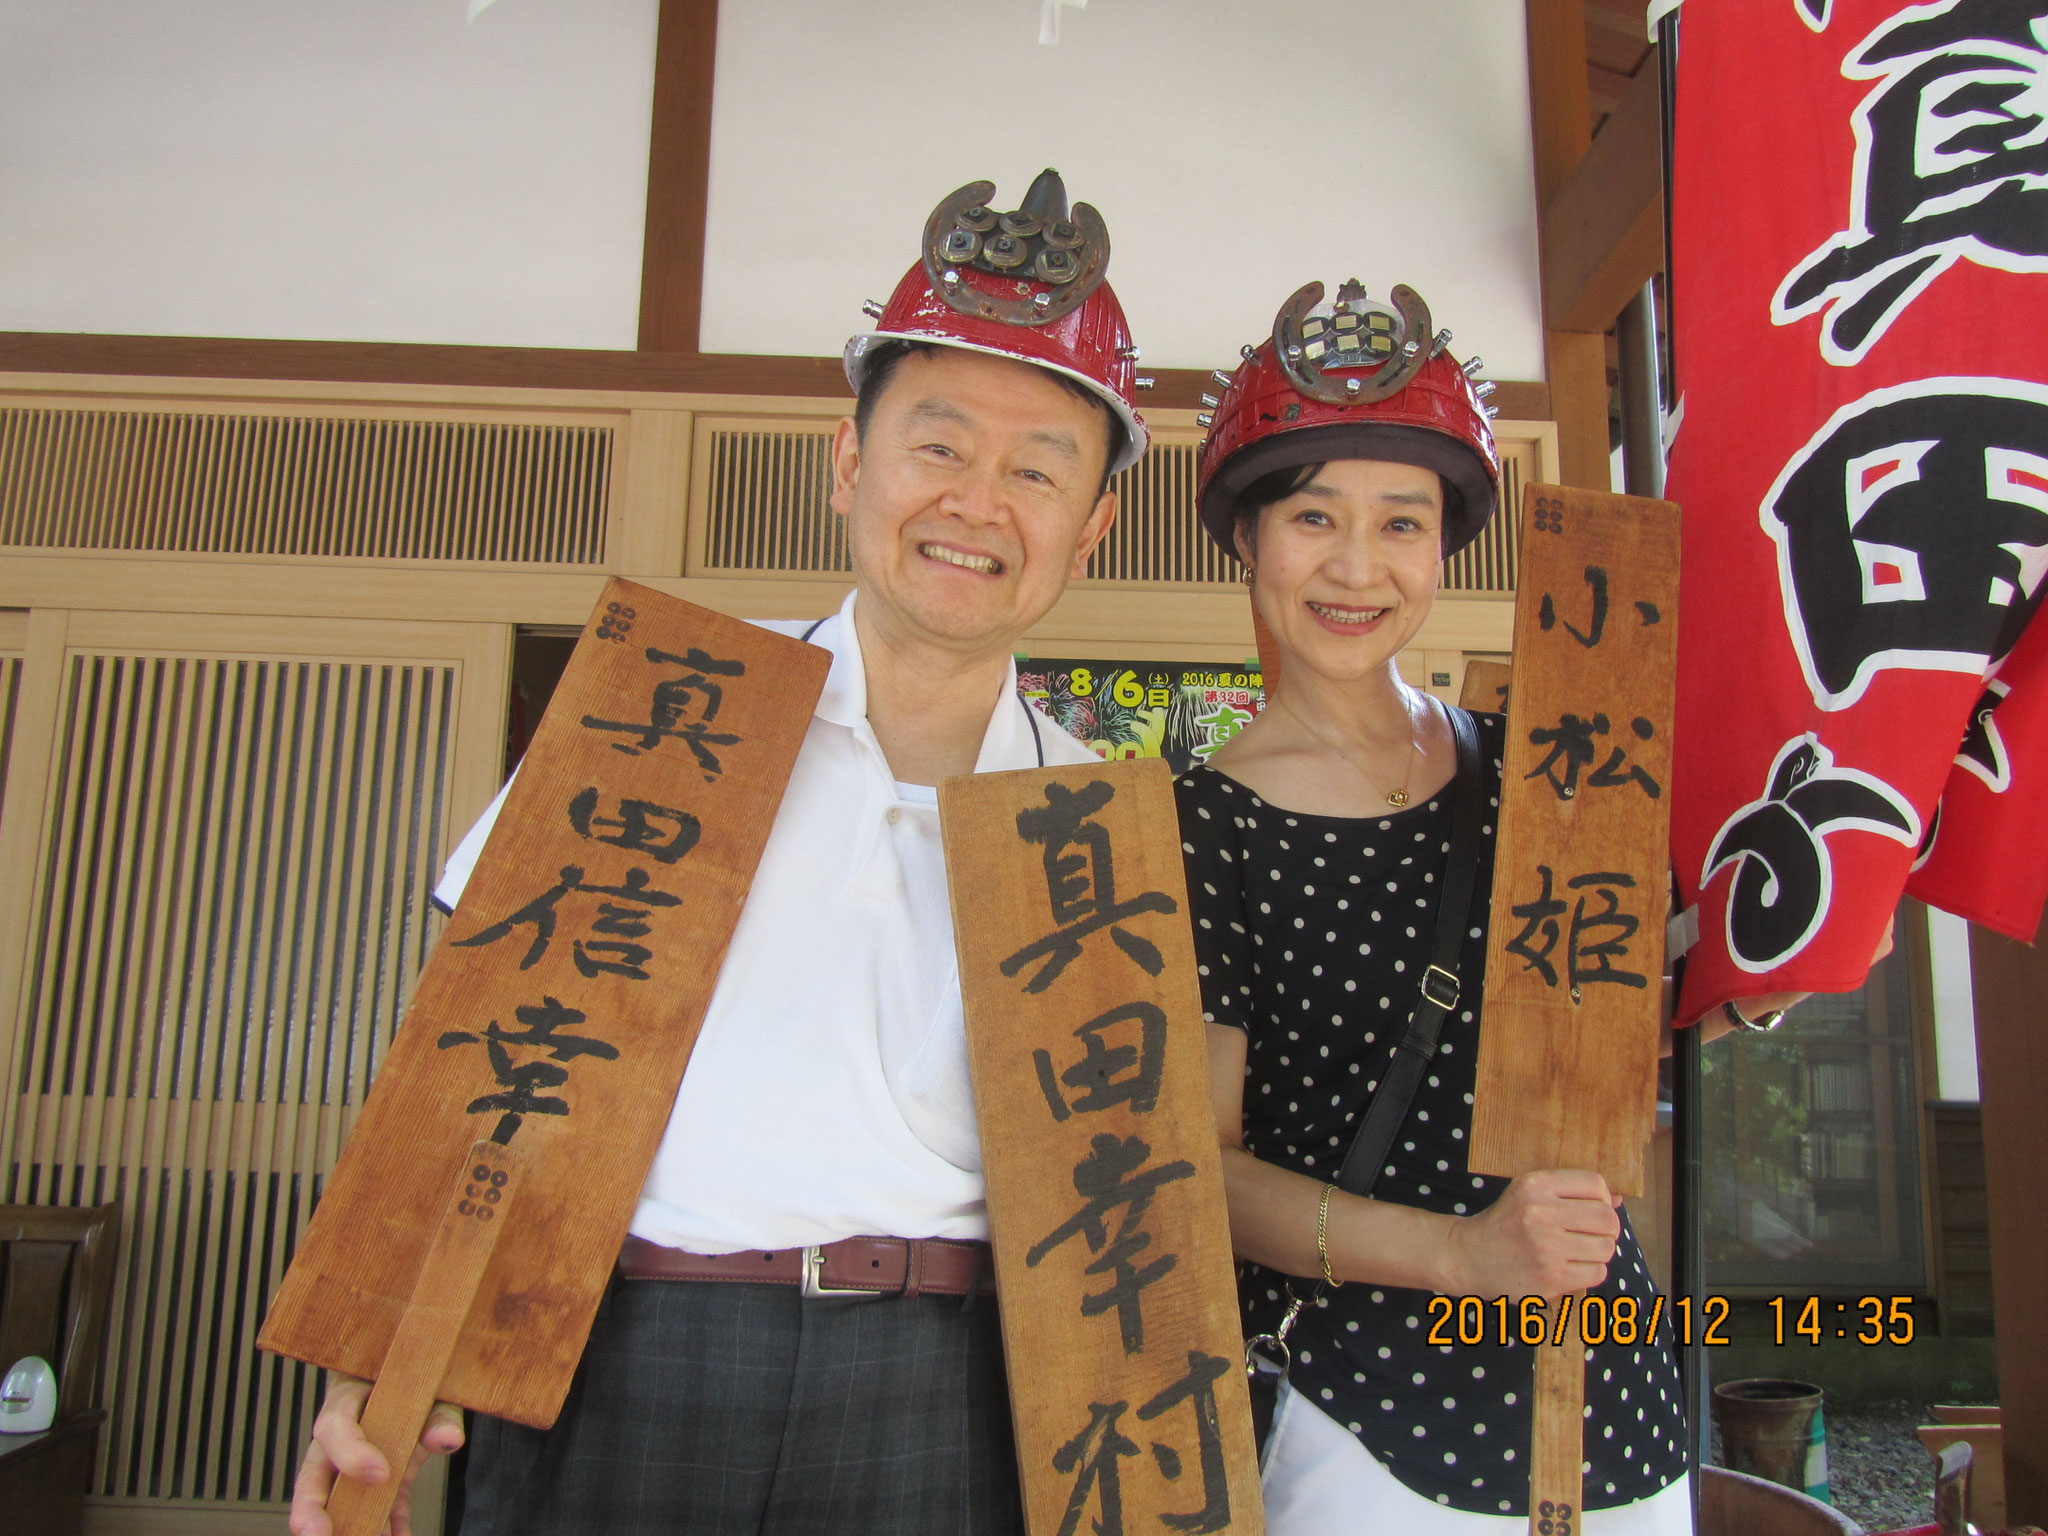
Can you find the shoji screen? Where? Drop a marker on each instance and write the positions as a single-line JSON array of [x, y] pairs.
[[228, 910]]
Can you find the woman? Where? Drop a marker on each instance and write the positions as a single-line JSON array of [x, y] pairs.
[[1342, 470]]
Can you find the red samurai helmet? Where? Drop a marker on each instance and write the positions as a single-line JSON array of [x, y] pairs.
[[1351, 379], [1026, 285]]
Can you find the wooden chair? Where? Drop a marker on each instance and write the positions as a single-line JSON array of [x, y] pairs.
[[1736, 1504], [1951, 1494], [1985, 1440], [57, 1286]]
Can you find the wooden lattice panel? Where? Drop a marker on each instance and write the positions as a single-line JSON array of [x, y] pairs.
[[1157, 537], [342, 487], [762, 505], [766, 500], [1489, 562], [231, 913], [10, 694]]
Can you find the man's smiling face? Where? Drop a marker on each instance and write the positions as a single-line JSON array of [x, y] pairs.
[[971, 498]]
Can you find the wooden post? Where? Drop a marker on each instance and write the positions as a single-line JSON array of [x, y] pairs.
[[1561, 121], [1557, 1448], [562, 1002], [1568, 1054], [1098, 1137], [678, 177], [2009, 981]]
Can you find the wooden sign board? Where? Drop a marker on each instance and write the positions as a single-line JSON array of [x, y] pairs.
[[1575, 953], [1098, 1139], [557, 1013], [1486, 687], [1575, 950]]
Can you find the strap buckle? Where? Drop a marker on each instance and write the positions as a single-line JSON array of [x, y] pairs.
[[1441, 987], [814, 1286], [1271, 1351]]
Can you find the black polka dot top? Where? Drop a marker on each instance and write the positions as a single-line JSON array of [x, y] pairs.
[[1312, 933]]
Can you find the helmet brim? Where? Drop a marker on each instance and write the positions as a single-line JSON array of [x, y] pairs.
[[1469, 495], [1135, 435]]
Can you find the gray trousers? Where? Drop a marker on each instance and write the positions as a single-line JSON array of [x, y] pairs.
[[745, 1410]]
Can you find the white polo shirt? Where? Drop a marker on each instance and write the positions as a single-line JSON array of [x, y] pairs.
[[828, 1094]]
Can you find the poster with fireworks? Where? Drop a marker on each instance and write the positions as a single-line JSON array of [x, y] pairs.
[[1180, 711]]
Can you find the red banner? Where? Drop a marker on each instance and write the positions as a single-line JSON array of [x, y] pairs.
[[1861, 229]]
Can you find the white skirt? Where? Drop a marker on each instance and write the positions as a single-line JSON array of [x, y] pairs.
[[1319, 1481]]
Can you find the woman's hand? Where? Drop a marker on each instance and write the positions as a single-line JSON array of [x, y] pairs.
[[339, 1448], [1551, 1232]]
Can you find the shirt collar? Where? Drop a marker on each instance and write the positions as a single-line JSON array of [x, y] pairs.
[[1011, 740], [845, 699]]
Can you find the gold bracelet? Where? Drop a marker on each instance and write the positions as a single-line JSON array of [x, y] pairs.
[[1323, 1236]]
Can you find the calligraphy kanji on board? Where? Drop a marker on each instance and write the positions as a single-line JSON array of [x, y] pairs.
[[1105, 1194], [1575, 951], [557, 1014]]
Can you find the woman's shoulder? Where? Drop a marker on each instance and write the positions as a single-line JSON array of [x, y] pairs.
[[1492, 730], [1492, 726], [1203, 792]]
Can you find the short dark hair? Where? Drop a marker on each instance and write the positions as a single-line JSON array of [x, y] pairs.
[[881, 367], [1278, 484], [1274, 485]]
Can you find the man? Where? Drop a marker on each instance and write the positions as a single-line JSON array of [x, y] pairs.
[[827, 1102]]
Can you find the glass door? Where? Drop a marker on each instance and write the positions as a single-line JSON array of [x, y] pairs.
[[1812, 1149]]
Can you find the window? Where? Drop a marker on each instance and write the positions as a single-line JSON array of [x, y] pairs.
[[1811, 1146]]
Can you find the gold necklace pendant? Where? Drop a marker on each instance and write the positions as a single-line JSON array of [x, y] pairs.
[[1397, 797]]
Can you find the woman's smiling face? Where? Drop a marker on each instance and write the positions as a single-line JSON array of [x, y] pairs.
[[1347, 565]]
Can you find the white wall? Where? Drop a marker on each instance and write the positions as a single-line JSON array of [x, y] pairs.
[[1955, 1012], [382, 170], [1237, 148], [364, 170]]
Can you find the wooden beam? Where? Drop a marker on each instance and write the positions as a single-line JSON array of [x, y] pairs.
[[678, 177], [1560, 115], [382, 362], [1577, 363], [1605, 89], [1561, 131], [1603, 229], [2009, 981], [1614, 45]]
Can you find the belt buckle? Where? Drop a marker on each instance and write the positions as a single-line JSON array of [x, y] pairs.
[[814, 1285]]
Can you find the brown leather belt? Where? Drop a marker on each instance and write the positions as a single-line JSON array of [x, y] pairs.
[[853, 1266]]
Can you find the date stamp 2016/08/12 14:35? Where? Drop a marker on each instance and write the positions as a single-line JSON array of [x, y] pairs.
[[1624, 1320]]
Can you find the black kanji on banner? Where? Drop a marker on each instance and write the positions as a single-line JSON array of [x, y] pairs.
[[1784, 874], [1913, 532], [1951, 165]]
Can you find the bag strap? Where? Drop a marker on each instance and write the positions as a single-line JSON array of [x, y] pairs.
[[1440, 987]]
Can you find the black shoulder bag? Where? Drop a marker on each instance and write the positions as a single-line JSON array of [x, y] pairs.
[[1267, 1356]]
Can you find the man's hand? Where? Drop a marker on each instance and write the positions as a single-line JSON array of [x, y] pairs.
[[1550, 1232], [1714, 1023], [339, 1448]]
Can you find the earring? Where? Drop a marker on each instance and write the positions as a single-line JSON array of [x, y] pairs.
[[1248, 574]]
